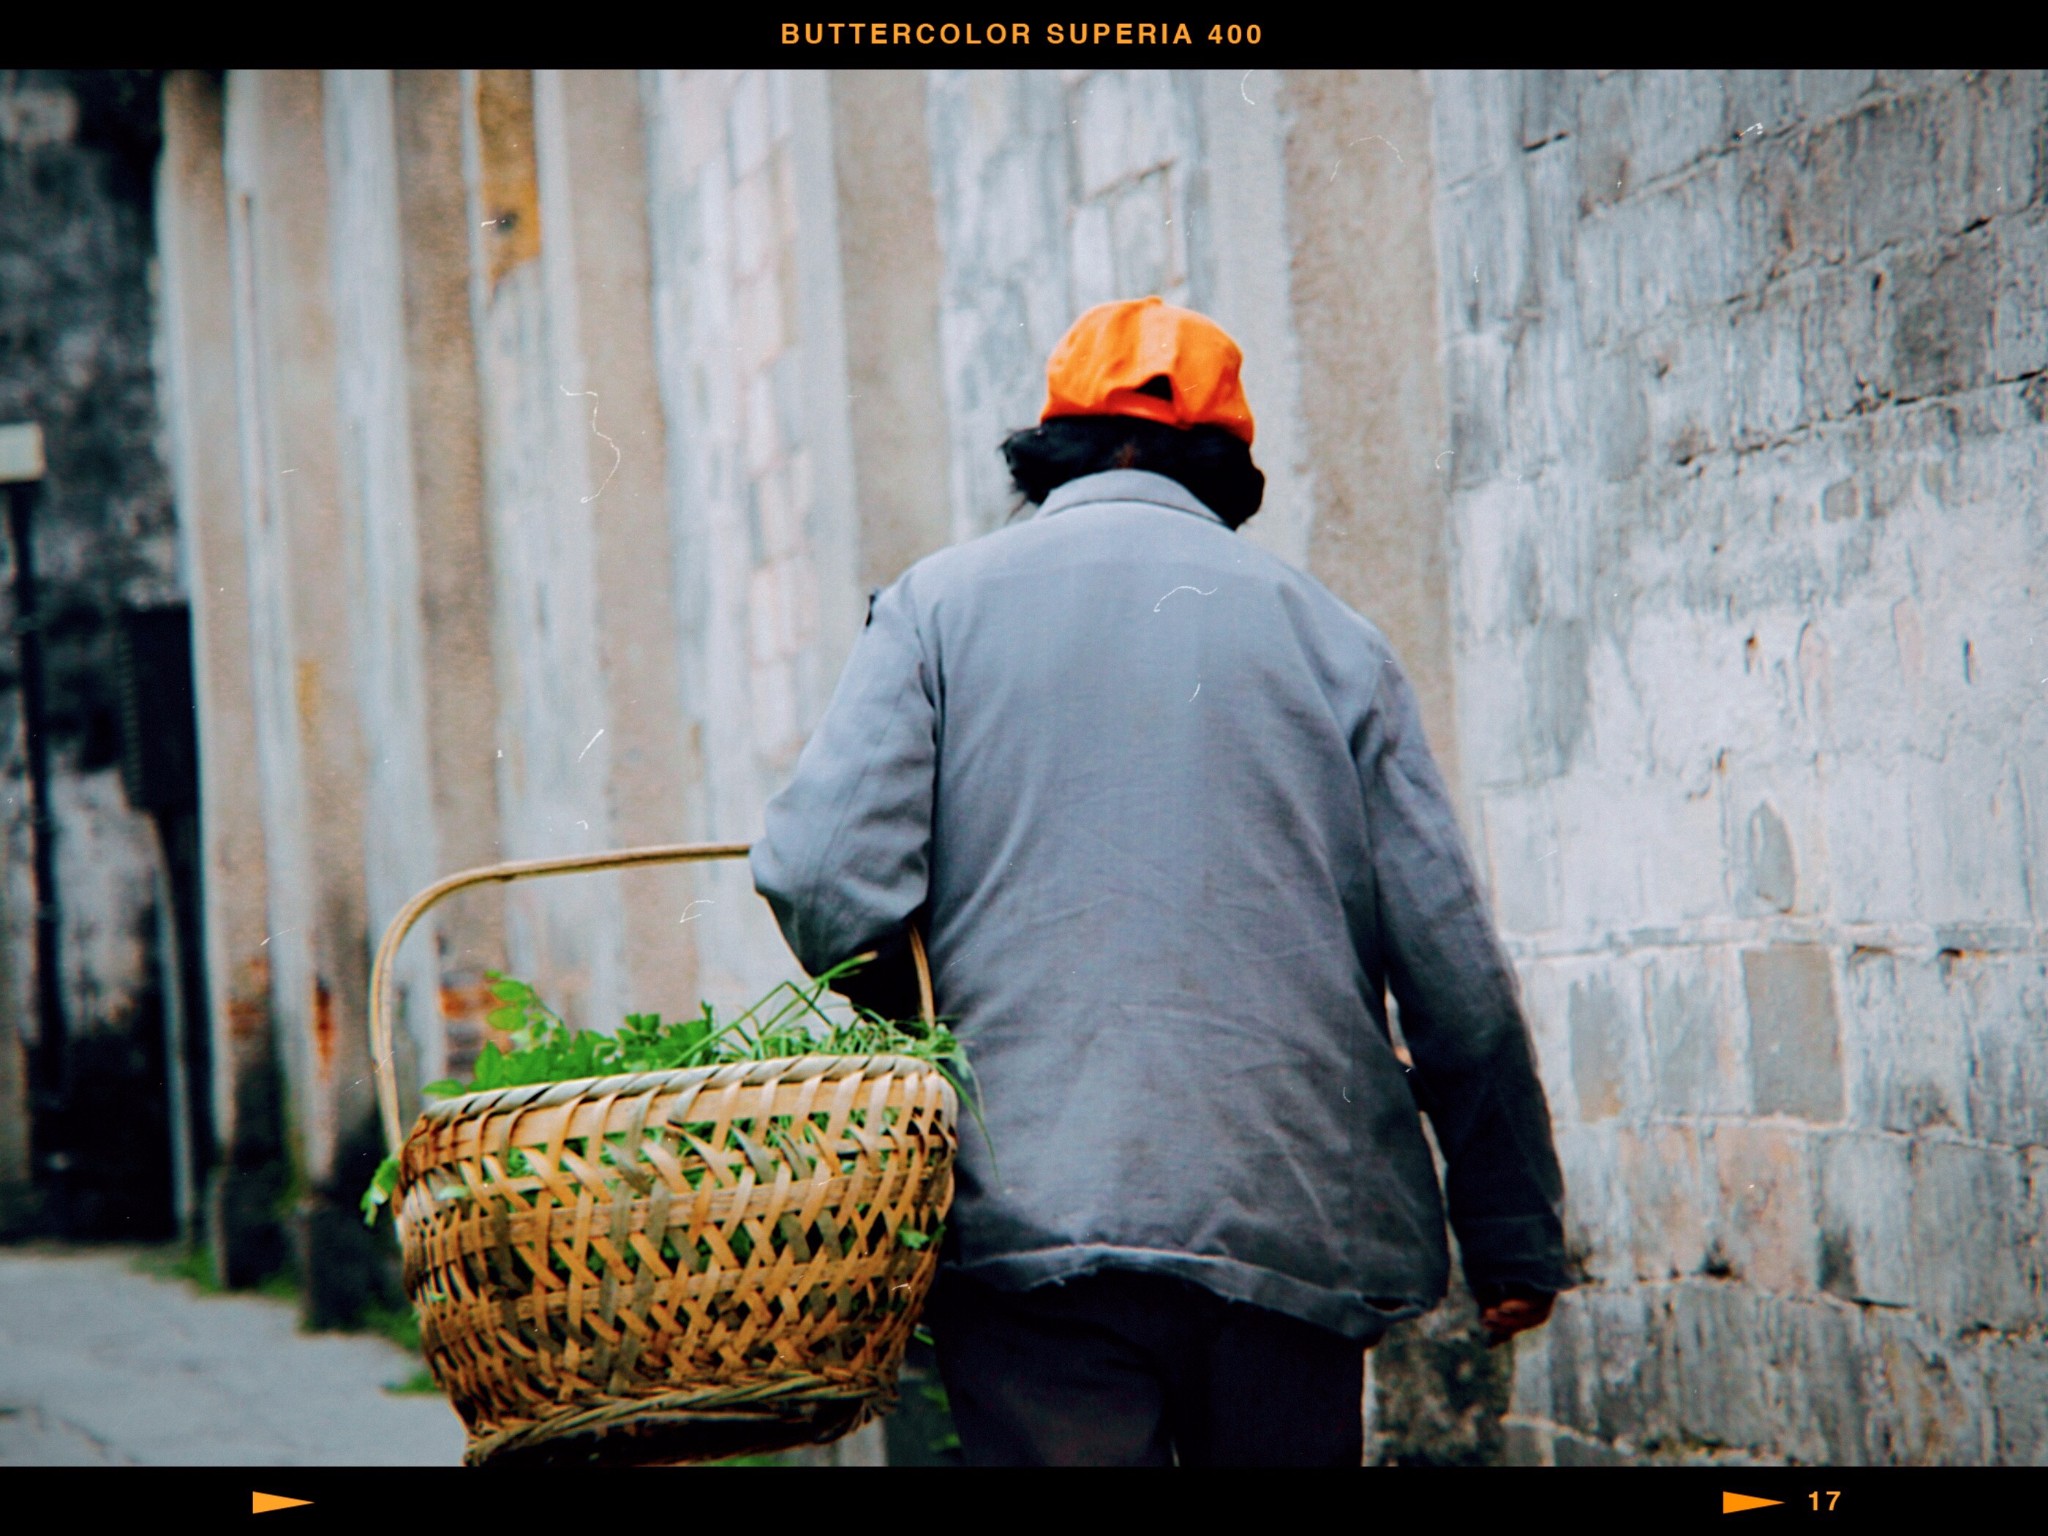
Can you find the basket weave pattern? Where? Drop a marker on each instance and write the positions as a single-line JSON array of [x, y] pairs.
[[713, 1256]]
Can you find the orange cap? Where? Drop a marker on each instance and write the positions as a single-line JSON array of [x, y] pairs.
[[1097, 368]]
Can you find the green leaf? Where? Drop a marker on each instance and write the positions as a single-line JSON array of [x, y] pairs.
[[910, 1237], [443, 1088], [382, 1185]]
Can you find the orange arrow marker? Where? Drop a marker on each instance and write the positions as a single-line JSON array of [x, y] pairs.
[[264, 1503], [1736, 1503]]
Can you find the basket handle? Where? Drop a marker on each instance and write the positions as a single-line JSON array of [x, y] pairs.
[[382, 980]]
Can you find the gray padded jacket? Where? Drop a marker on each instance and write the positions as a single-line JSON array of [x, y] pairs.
[[1167, 810]]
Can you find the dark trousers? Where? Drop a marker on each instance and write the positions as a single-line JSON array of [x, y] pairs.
[[1127, 1369]]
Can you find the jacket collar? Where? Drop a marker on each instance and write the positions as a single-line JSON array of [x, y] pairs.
[[1127, 485]]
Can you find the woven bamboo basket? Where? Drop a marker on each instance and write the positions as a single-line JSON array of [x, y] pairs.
[[675, 1266]]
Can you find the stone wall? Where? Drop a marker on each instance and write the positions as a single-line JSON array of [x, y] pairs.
[[76, 337], [1746, 394]]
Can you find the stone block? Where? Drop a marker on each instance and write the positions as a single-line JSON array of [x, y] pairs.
[[1967, 821], [1940, 317], [1763, 1219], [1124, 122], [1600, 1023], [1629, 1385], [1696, 1033], [1476, 385], [2002, 1001], [1475, 119], [1543, 1007], [1867, 821], [1766, 367], [1522, 858], [1814, 1389], [1721, 1365], [1927, 1404], [1866, 1234], [2019, 317], [1149, 253], [1882, 165], [1794, 1033], [749, 131], [1991, 144], [1826, 93], [1483, 251], [761, 440], [1668, 1199], [1596, 1205], [1903, 1044], [1606, 137], [1970, 1215], [1550, 104], [2016, 1389], [1687, 391], [1770, 873], [1091, 258], [1678, 117], [1762, 103]]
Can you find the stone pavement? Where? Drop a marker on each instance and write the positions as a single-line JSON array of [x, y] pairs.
[[103, 1365]]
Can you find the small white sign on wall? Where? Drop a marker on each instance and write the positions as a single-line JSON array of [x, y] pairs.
[[21, 452]]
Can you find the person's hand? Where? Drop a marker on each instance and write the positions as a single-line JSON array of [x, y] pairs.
[[1507, 1311]]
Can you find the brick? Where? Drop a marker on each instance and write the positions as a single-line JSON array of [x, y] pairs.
[[1794, 1044], [1770, 871], [1970, 1225], [1764, 1218], [1866, 1238], [1695, 1034]]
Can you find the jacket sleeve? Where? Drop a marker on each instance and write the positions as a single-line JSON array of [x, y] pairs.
[[845, 852], [1474, 1063]]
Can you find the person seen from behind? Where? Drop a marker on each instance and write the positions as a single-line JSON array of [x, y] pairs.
[[1163, 808]]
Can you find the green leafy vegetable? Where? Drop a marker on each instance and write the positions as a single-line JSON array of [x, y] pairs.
[[790, 1020]]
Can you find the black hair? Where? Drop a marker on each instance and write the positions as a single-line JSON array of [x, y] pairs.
[[1214, 464]]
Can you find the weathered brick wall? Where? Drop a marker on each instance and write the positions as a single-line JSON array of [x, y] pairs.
[[1746, 382]]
